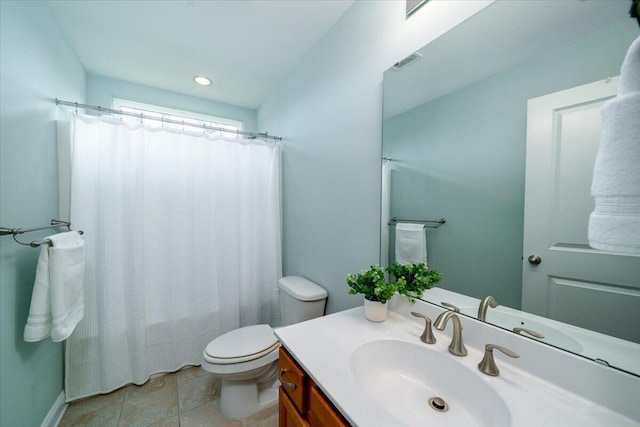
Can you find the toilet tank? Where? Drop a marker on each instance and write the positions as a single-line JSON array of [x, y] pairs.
[[300, 299]]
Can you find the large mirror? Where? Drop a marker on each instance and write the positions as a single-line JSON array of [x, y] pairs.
[[462, 126]]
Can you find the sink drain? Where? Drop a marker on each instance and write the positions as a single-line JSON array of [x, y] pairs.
[[438, 404]]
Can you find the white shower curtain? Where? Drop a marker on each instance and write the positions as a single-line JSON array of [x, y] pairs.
[[182, 235]]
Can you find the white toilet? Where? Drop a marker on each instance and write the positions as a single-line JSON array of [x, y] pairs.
[[246, 359]]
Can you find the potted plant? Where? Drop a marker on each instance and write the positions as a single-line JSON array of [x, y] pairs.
[[417, 278], [377, 291]]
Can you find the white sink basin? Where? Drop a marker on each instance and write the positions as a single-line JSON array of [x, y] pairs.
[[401, 377], [509, 321]]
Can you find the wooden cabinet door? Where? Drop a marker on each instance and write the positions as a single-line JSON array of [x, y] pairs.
[[321, 411], [288, 416], [293, 380]]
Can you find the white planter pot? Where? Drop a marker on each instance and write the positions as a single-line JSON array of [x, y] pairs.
[[375, 311]]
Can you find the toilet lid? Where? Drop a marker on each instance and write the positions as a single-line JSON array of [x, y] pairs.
[[242, 345]]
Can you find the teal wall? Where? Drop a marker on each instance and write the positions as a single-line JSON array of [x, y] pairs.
[[462, 157], [101, 91], [329, 111], [37, 64]]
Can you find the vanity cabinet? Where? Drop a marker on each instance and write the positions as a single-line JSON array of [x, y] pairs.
[[302, 403]]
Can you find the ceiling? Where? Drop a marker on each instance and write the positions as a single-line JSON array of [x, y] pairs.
[[246, 47], [529, 27]]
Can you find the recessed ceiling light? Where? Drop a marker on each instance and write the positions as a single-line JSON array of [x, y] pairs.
[[202, 81]]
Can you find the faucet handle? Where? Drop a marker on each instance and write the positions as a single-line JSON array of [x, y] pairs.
[[450, 306], [488, 365], [427, 336], [529, 331]]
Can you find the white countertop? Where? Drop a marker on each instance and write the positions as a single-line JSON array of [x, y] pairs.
[[323, 347], [615, 351]]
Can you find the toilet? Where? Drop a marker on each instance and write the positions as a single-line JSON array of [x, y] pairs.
[[246, 359]]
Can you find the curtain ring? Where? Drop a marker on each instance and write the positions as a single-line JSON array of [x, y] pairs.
[[141, 122], [99, 112], [76, 108]]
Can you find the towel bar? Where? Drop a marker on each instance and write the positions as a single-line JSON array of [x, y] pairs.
[[4, 231], [427, 223]]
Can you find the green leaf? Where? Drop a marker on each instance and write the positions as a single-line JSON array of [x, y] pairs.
[[372, 284], [416, 277]]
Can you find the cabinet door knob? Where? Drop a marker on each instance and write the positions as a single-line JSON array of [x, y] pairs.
[[292, 386]]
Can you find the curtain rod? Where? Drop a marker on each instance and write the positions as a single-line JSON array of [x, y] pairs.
[[251, 135]]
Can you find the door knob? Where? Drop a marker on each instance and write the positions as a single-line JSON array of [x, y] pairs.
[[534, 259]]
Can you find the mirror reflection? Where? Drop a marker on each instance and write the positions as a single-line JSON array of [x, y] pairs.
[[495, 127]]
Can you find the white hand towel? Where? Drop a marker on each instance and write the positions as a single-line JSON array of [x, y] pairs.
[[614, 225], [411, 243], [57, 301]]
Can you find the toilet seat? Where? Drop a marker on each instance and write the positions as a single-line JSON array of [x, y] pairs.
[[241, 345]]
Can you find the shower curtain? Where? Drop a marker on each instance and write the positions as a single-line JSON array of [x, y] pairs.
[[182, 238]]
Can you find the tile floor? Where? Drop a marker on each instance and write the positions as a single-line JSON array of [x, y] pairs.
[[187, 398]]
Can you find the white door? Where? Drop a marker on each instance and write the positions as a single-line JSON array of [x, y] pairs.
[[573, 283]]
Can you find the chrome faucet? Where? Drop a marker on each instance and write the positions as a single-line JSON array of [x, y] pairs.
[[486, 302], [427, 336], [456, 347], [488, 365]]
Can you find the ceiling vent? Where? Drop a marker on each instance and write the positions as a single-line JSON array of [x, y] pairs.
[[408, 60]]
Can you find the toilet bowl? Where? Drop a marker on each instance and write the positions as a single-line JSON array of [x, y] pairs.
[[246, 359]]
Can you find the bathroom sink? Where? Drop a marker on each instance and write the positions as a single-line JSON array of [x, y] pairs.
[[509, 321], [402, 377]]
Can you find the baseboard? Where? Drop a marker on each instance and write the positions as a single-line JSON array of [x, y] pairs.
[[55, 413]]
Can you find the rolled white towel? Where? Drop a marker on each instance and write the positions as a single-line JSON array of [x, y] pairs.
[[614, 225]]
